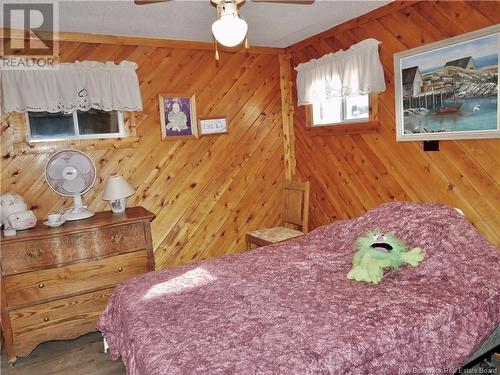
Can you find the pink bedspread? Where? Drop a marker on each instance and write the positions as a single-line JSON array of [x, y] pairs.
[[289, 308]]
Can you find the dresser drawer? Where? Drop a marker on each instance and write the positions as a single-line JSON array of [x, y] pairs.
[[23, 256], [40, 285], [62, 319]]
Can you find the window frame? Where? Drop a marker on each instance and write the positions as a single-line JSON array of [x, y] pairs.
[[354, 126], [21, 145], [343, 114], [122, 132]]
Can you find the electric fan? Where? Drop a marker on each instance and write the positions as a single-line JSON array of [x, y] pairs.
[[71, 173]]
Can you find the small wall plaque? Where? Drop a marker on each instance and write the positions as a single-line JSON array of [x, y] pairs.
[[213, 125]]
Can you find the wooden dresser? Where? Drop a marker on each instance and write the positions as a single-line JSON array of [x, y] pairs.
[[56, 281]]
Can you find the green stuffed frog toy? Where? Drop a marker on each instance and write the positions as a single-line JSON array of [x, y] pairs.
[[377, 251]]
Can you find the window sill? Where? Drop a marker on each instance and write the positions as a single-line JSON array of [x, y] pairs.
[[18, 138], [38, 147], [364, 127]]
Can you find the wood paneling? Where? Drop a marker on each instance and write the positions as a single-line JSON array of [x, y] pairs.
[[205, 192], [124, 40], [287, 116], [352, 173]]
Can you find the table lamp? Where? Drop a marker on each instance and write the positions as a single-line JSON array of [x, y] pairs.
[[116, 190]]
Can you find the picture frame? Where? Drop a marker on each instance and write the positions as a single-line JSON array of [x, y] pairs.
[[212, 125], [449, 89], [178, 116]]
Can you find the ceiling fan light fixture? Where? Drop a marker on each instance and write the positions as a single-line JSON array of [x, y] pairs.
[[229, 30]]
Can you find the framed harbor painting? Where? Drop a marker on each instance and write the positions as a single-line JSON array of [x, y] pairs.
[[449, 89], [178, 117]]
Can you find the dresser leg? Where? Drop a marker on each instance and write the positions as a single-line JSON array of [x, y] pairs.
[[5, 324]]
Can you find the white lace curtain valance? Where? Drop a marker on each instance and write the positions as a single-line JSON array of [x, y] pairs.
[[344, 73], [76, 86]]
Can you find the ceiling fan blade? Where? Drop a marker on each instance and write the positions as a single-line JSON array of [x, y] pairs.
[[303, 2], [146, 2]]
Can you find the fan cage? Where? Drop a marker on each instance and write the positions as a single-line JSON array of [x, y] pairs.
[[66, 154]]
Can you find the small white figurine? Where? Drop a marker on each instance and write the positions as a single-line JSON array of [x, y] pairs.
[[15, 214]]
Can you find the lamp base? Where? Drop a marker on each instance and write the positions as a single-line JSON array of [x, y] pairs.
[[118, 205]]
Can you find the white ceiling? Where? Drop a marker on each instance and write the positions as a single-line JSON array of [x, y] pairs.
[[273, 25]]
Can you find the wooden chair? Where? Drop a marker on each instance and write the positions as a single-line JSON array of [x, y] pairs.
[[295, 213]]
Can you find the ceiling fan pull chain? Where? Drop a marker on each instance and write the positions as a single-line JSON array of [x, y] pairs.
[[216, 51]]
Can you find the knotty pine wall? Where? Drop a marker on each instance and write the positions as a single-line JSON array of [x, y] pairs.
[[207, 192], [352, 173]]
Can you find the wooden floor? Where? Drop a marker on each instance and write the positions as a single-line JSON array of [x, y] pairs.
[[82, 356]]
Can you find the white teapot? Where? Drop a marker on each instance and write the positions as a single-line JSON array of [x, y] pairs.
[[14, 214]]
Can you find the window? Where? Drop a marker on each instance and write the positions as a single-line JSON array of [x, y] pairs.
[[357, 72], [347, 109], [45, 126]]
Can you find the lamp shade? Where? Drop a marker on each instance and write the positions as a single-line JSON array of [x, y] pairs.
[[229, 30], [116, 187]]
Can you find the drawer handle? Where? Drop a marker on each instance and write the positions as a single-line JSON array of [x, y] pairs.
[[35, 253], [46, 319], [120, 269], [117, 238], [41, 285]]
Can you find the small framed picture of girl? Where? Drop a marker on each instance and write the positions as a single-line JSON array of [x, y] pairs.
[[178, 117]]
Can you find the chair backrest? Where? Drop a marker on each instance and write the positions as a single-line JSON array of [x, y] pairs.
[[296, 203]]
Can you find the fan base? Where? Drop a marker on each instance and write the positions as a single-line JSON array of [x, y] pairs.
[[78, 213]]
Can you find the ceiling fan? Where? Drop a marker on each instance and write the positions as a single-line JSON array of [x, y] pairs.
[[229, 29]]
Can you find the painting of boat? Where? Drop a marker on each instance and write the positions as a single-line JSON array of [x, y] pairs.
[[449, 89], [449, 108]]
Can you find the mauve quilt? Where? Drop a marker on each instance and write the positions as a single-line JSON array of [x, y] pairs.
[[289, 308]]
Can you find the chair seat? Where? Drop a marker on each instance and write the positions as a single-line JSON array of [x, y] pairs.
[[273, 235]]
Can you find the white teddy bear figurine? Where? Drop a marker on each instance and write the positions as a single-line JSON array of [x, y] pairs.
[[15, 214]]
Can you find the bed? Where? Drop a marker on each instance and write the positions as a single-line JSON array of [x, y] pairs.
[[289, 308]]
